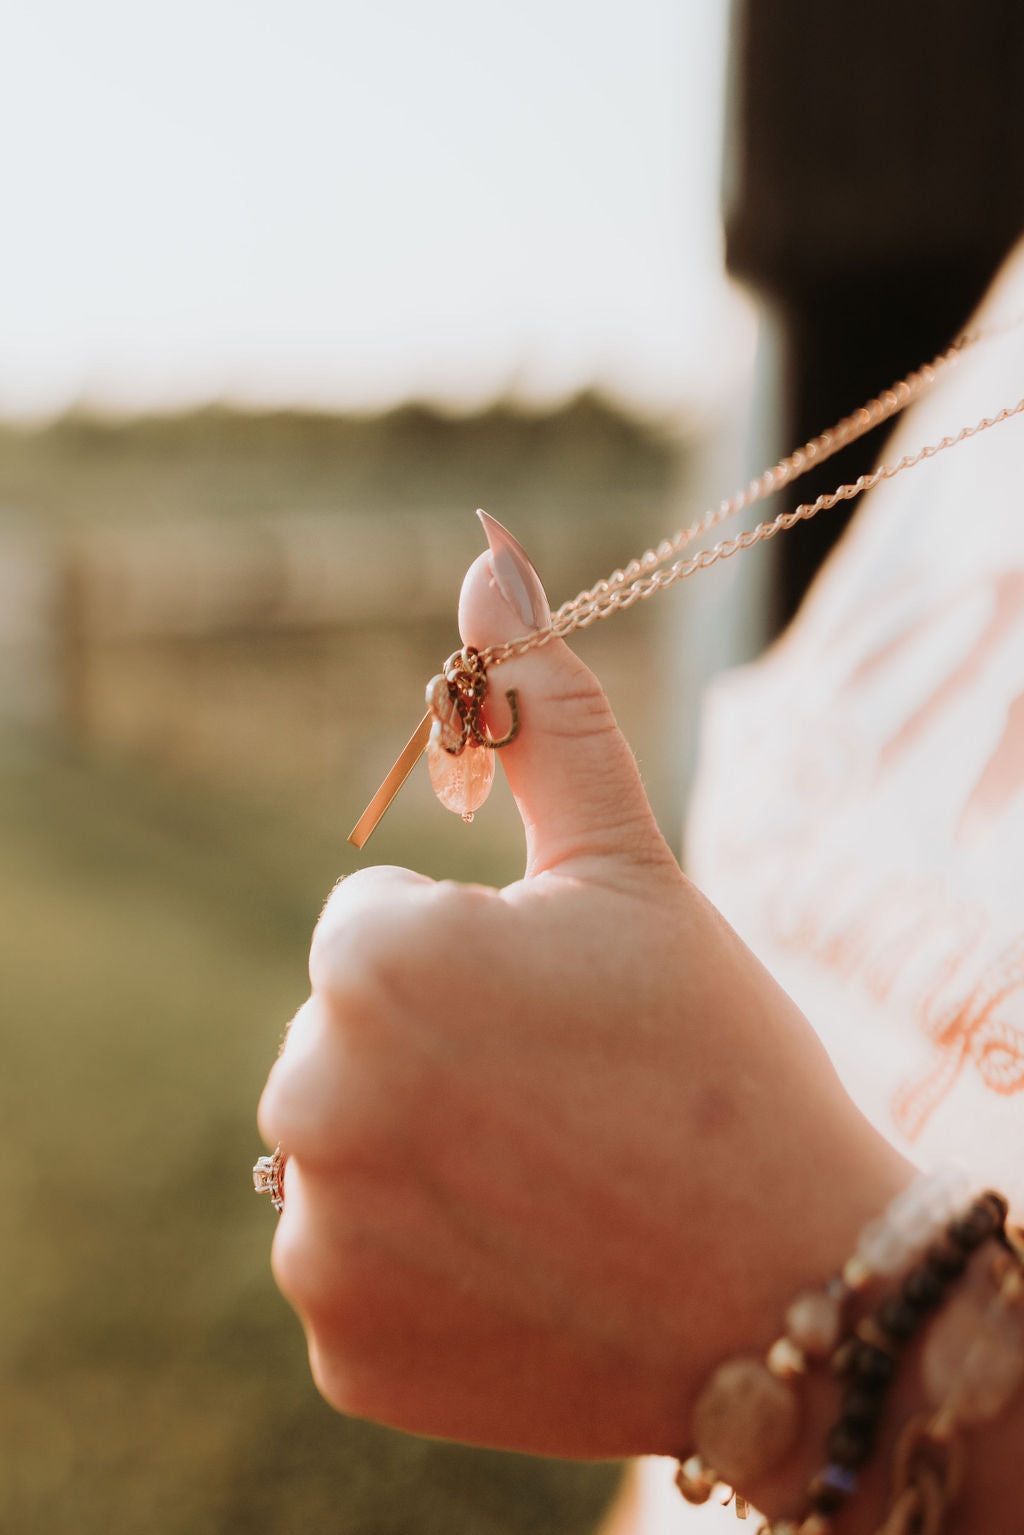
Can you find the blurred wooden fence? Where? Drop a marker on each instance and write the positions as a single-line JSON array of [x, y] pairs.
[[278, 653]]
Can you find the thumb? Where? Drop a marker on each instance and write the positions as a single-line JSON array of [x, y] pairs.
[[571, 772]]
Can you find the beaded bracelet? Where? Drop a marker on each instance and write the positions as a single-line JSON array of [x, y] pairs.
[[972, 1367], [748, 1415], [867, 1362]]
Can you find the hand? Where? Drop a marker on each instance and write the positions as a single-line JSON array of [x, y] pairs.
[[556, 1150]]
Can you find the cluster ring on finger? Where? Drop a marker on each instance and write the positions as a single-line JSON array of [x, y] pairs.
[[268, 1177]]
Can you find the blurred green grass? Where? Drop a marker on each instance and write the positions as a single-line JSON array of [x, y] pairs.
[[153, 937], [152, 944]]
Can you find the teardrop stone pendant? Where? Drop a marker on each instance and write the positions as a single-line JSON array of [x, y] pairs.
[[462, 782]]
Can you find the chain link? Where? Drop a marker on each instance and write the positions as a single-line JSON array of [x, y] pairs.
[[928, 1472]]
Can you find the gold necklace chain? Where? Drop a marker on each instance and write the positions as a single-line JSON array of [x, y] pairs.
[[642, 577], [652, 572]]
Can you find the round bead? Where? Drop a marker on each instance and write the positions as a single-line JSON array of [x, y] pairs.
[[785, 1360], [922, 1288], [856, 1273], [814, 1524], [871, 1366], [861, 1409], [973, 1359], [986, 1212], [814, 1321], [841, 1363], [850, 1444], [897, 1318], [998, 1203], [830, 1489], [882, 1247], [913, 1213], [972, 1228], [953, 1185], [946, 1259], [695, 1480], [745, 1420], [948, 1188]]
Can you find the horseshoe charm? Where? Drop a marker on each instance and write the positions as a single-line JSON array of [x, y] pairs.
[[483, 739], [465, 680]]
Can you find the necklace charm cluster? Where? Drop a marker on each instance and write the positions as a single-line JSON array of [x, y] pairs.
[[460, 750], [459, 747]]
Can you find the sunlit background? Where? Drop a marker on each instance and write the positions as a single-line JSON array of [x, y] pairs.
[[354, 205], [286, 292]]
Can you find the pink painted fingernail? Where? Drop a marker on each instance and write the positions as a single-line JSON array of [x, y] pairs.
[[515, 576]]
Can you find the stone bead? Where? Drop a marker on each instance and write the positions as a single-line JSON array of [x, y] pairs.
[[868, 1331], [815, 1524], [973, 1359], [861, 1408], [911, 1221], [915, 1213], [882, 1247], [745, 1420], [814, 1321], [856, 1273], [942, 1192], [923, 1288], [998, 1203], [946, 1259], [461, 783], [850, 1444], [830, 1489], [785, 1359], [970, 1230], [695, 1480], [870, 1366], [897, 1318]]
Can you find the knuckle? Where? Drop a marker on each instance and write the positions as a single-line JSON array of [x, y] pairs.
[[333, 1377], [268, 1112], [314, 1280], [582, 711], [353, 1385], [300, 1106], [337, 1307], [338, 948], [289, 1261], [354, 1369], [358, 908], [380, 958]]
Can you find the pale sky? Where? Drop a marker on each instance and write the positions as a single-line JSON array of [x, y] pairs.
[[353, 204]]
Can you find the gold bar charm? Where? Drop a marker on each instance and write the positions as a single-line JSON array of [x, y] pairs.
[[411, 754]]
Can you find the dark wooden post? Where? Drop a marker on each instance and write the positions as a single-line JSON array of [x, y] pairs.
[[874, 179]]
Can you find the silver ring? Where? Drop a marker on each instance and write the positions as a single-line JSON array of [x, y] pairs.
[[268, 1178]]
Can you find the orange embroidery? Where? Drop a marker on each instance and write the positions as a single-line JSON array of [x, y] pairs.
[[906, 938], [970, 1032]]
